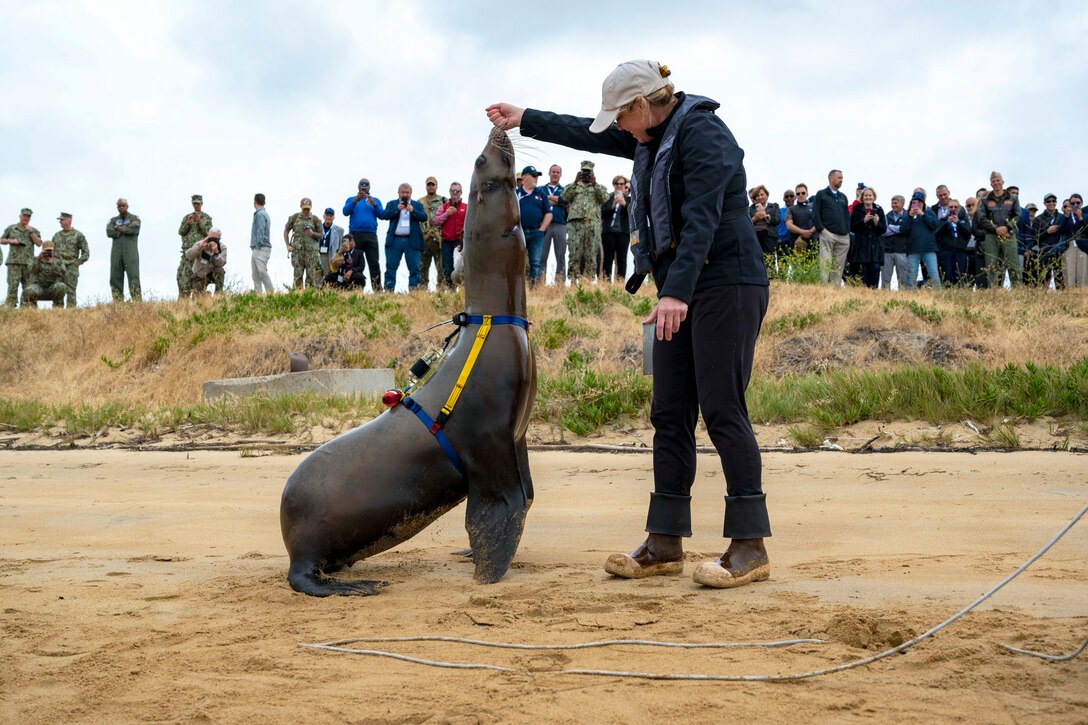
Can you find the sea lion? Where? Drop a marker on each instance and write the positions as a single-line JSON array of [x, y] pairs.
[[382, 483]]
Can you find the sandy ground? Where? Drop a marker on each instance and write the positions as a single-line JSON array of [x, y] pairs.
[[151, 586]]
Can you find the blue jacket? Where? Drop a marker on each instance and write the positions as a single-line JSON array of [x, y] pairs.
[[920, 232], [415, 232], [364, 217]]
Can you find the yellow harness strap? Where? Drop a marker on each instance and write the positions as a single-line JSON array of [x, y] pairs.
[[477, 345]]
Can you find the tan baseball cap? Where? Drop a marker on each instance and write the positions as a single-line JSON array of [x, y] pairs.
[[432, 180], [626, 83]]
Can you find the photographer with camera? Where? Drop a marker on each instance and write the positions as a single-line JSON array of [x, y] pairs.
[[451, 219], [584, 197], [193, 228], [616, 230], [404, 237], [363, 211], [47, 279], [345, 265], [206, 257]]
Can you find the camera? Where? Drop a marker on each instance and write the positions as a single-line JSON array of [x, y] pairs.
[[585, 175]]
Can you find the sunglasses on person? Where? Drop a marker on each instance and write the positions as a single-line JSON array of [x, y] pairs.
[[802, 193]]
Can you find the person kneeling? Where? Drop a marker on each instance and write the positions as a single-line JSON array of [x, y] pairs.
[[345, 266], [47, 278], [206, 256]]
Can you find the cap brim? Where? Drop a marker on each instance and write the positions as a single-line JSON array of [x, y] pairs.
[[603, 121]]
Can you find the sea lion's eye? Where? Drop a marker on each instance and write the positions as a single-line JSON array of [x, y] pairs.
[[481, 160]]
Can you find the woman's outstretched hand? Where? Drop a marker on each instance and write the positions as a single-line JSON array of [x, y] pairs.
[[504, 115]]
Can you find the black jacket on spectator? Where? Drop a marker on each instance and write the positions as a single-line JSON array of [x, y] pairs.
[[953, 236], [608, 211], [829, 211], [1043, 221], [707, 192], [868, 244], [921, 232], [767, 231]]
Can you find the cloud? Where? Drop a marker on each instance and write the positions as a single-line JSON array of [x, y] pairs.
[[156, 101]]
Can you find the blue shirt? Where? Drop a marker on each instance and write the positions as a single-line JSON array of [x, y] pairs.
[[259, 235], [534, 205], [559, 211], [363, 216]]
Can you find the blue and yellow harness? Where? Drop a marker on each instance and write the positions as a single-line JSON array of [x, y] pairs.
[[434, 426]]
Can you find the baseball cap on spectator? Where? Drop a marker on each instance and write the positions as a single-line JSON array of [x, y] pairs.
[[1048, 197], [330, 210], [1031, 207], [531, 171], [26, 211], [198, 199], [64, 215], [305, 203], [626, 83], [47, 245], [918, 195], [432, 180]]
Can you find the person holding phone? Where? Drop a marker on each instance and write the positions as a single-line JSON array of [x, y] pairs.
[[868, 224], [920, 226], [363, 211]]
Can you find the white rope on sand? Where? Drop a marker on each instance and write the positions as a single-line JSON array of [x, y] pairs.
[[338, 645], [1045, 656], [334, 647]]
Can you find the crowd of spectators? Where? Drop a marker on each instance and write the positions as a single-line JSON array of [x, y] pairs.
[[987, 241]]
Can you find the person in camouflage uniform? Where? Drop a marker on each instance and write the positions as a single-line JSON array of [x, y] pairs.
[[194, 227], [47, 279], [70, 247], [21, 238], [301, 235], [124, 230], [432, 236], [585, 197]]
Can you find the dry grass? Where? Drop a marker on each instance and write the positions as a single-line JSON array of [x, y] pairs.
[[160, 353]]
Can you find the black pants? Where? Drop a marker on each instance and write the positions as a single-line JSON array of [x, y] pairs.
[[332, 279], [706, 366], [368, 242], [615, 249]]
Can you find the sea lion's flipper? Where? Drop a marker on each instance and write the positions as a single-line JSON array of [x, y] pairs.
[[308, 579], [498, 499]]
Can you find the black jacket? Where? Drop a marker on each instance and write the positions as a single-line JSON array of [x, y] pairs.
[[831, 211], [608, 210], [716, 247], [868, 244]]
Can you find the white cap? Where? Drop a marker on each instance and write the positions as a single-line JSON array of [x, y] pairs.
[[626, 83]]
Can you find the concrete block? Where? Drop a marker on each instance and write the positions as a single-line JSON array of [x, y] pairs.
[[345, 381]]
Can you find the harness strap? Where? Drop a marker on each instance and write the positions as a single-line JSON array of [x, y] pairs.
[[434, 427], [435, 430], [466, 370]]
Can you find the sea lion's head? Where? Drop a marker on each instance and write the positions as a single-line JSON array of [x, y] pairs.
[[494, 252]]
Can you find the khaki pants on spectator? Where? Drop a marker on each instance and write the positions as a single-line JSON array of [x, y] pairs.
[[259, 267], [1001, 255], [833, 251], [1075, 267]]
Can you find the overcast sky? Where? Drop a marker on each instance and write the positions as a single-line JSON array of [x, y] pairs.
[[155, 101]]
